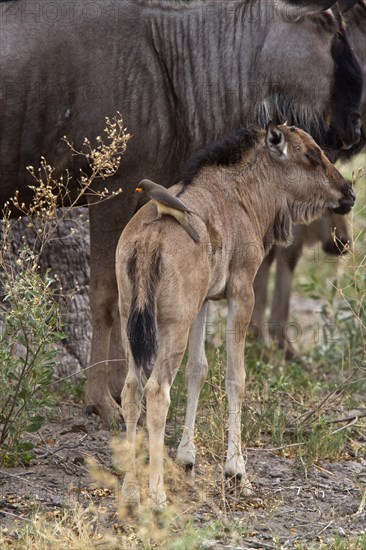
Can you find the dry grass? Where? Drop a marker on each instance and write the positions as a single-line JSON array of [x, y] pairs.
[[308, 411]]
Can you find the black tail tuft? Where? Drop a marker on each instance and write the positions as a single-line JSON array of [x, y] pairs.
[[141, 325], [141, 330]]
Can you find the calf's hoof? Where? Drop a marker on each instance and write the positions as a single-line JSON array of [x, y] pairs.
[[239, 485], [236, 477], [186, 456], [189, 470]]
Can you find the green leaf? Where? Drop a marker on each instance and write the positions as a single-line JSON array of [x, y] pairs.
[[25, 446], [36, 423]]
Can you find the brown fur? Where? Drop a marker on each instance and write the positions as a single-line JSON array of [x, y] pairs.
[[193, 273]]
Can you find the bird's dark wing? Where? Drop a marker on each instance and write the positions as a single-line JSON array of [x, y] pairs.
[[165, 197]]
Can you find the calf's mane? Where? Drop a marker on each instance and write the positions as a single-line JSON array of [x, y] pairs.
[[224, 152]]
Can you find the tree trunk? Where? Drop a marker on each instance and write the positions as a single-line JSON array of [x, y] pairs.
[[67, 257]]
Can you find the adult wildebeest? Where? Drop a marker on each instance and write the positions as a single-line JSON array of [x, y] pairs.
[[321, 230], [182, 74], [165, 279], [355, 21], [278, 329]]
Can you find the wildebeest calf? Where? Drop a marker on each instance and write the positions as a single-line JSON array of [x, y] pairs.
[[245, 191]]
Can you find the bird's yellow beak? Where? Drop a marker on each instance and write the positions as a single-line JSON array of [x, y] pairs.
[[138, 190]]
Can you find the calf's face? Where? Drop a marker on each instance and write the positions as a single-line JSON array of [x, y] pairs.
[[306, 175]]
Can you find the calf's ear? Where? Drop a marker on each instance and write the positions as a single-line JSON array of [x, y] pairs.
[[275, 140]]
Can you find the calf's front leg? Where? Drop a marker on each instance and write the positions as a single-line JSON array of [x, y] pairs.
[[196, 373], [240, 310]]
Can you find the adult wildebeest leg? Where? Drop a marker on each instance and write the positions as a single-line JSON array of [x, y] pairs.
[[103, 303], [117, 362], [172, 344], [196, 373], [260, 287], [241, 301], [286, 261]]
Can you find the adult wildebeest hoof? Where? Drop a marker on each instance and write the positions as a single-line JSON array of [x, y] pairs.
[[90, 409], [109, 412]]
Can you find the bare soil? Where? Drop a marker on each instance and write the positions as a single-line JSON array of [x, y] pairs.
[[289, 504]]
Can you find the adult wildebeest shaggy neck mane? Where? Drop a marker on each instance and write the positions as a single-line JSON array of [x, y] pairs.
[[182, 76], [165, 279]]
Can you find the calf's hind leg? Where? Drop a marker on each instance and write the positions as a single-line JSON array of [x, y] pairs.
[[131, 406], [257, 325], [172, 344]]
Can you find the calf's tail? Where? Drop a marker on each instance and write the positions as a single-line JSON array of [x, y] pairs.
[[142, 324]]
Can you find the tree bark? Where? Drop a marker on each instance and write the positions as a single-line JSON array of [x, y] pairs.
[[67, 257]]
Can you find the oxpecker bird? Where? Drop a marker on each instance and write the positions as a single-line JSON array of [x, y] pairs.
[[168, 204]]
